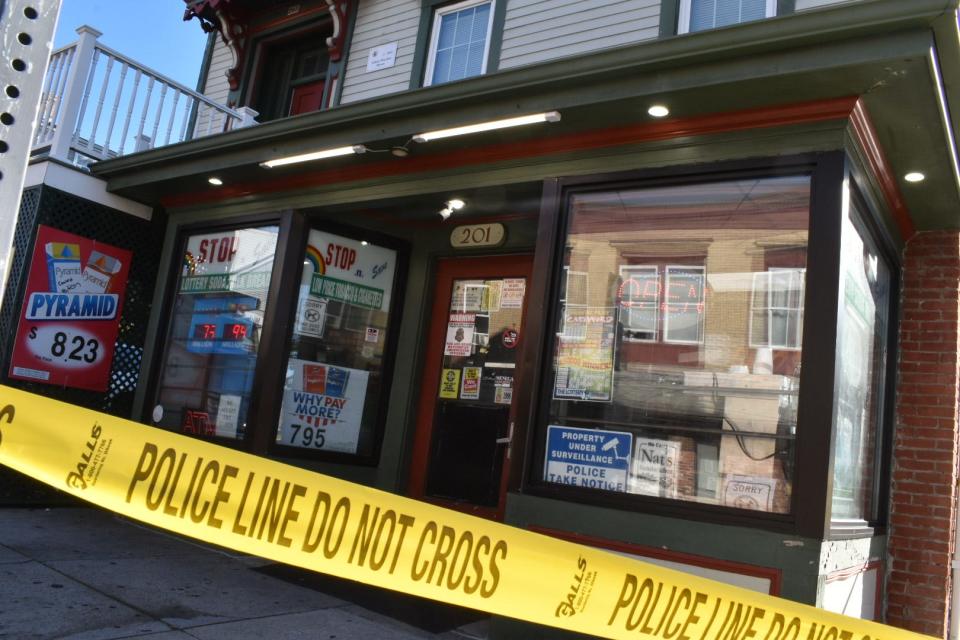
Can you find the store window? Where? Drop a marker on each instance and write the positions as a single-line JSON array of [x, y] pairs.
[[335, 385], [206, 382], [682, 377], [700, 15], [862, 336], [459, 41]]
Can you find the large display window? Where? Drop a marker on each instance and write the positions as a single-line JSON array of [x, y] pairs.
[[206, 380], [334, 376], [279, 338], [719, 345], [676, 361]]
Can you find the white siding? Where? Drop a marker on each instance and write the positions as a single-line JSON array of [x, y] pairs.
[[813, 4], [217, 89], [381, 22], [540, 30]]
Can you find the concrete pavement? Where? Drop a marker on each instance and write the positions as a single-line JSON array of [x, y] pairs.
[[85, 574]]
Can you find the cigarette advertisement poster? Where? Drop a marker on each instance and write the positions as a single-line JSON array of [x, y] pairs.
[[585, 354], [71, 312], [592, 458], [322, 406]]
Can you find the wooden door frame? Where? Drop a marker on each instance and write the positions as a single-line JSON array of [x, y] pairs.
[[445, 271]]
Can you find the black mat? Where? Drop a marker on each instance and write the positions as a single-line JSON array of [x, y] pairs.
[[433, 617]]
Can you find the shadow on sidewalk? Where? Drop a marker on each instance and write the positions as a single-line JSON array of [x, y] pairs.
[[428, 615]]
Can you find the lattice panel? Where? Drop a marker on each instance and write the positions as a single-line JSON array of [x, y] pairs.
[[54, 208]]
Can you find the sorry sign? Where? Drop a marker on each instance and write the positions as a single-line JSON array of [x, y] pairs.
[[71, 311]]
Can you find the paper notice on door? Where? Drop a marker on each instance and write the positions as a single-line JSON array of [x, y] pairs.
[[470, 385], [228, 415], [460, 334], [450, 383], [511, 293]]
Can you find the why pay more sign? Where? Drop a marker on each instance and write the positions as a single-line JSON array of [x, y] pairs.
[[71, 312], [287, 514]]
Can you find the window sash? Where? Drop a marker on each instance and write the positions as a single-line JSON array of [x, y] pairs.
[[673, 271], [783, 316], [435, 30], [632, 306], [683, 22]]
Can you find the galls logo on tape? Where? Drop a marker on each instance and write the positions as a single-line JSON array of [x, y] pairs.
[[578, 592], [91, 460]]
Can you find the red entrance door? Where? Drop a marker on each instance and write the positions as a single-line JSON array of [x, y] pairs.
[[466, 410]]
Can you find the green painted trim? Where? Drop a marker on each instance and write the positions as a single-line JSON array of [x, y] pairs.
[[345, 54], [496, 35], [423, 41], [427, 7], [669, 17]]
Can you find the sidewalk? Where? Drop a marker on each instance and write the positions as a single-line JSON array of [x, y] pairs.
[[86, 574]]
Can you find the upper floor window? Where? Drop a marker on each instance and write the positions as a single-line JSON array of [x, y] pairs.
[[700, 15], [291, 74], [459, 41]]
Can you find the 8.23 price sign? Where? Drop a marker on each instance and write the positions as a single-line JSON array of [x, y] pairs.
[[69, 321]]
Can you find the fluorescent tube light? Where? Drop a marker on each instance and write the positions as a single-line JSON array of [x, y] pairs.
[[549, 116], [315, 155]]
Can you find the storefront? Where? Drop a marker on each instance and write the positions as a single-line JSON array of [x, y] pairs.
[[673, 339]]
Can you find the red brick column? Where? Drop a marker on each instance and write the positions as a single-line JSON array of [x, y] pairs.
[[924, 495]]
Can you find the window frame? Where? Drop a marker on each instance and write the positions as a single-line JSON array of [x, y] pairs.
[[315, 23], [270, 368], [683, 19], [425, 30], [258, 405], [666, 304], [768, 309], [627, 271], [809, 515], [438, 14], [309, 221]]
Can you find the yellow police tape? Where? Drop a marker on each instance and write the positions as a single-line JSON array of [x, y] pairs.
[[276, 511]]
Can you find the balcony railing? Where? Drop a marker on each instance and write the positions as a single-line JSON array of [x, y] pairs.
[[98, 104]]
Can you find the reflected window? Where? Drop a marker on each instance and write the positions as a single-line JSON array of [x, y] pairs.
[[677, 370], [206, 381]]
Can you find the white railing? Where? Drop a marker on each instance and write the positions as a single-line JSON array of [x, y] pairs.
[[98, 104]]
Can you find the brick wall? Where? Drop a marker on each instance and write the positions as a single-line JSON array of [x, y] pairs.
[[923, 497]]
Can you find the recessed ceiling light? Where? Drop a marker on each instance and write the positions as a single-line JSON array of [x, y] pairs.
[[914, 176], [658, 111], [215, 181]]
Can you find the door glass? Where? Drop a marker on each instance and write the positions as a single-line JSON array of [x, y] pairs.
[[475, 390]]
